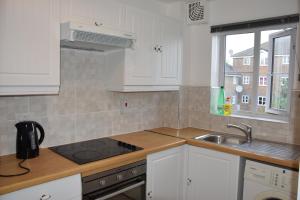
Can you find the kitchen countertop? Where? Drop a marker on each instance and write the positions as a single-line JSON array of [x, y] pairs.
[[286, 155], [50, 166]]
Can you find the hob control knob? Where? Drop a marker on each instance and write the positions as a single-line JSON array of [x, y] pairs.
[[102, 182], [119, 177], [134, 172]]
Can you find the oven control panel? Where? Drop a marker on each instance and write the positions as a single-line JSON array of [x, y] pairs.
[[112, 177]]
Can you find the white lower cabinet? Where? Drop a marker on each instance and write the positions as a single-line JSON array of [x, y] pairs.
[[68, 188], [212, 175], [165, 174]]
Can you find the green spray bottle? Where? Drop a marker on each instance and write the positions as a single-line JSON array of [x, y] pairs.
[[221, 101]]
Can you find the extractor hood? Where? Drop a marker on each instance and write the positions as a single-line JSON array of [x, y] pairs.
[[94, 37]]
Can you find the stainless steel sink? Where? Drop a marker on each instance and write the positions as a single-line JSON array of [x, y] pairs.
[[220, 138]]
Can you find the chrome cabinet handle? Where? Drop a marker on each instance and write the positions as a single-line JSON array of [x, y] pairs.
[[149, 195], [45, 197], [189, 181], [160, 49], [98, 24]]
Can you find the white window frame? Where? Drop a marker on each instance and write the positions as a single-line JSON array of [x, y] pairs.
[[246, 80], [247, 60], [285, 61], [245, 99], [218, 60], [264, 82], [263, 99], [292, 33]]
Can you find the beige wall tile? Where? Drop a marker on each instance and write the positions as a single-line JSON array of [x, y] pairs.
[[84, 109], [198, 116]]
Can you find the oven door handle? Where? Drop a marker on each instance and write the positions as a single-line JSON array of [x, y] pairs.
[[122, 190]]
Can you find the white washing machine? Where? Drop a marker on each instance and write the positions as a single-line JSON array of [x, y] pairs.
[[266, 182]]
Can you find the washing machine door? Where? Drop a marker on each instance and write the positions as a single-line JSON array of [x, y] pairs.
[[274, 195]]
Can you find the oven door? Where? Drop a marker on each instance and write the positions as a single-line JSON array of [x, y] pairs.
[[134, 189]]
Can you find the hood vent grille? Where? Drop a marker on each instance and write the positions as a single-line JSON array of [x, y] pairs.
[[92, 37], [89, 37]]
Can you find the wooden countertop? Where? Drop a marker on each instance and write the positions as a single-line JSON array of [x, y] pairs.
[[50, 166], [286, 155]]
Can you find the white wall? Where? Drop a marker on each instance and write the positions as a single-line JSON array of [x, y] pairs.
[[153, 6], [197, 59]]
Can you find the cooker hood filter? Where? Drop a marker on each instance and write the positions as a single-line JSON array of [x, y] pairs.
[[93, 37]]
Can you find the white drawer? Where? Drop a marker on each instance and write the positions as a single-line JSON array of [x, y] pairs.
[[62, 189]]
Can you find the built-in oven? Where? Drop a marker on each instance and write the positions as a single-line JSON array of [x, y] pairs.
[[122, 183]]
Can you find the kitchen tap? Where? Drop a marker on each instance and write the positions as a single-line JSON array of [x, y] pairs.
[[247, 130]]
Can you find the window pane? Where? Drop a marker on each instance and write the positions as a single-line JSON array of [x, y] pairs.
[[280, 83], [239, 70], [264, 68]]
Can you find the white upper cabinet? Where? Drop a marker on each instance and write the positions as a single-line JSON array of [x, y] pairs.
[[170, 49], [101, 12], [29, 50], [140, 61], [154, 64]]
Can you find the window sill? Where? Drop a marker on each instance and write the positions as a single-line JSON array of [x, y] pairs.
[[283, 121]]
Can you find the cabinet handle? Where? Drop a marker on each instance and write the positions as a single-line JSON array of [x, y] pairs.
[[98, 24], [156, 48], [160, 49], [45, 197], [189, 181], [149, 195]]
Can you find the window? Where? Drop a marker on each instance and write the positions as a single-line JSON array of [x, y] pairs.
[[261, 101], [233, 100], [235, 80], [245, 99], [263, 58], [286, 60], [263, 80], [284, 81], [246, 61], [246, 80], [268, 76]]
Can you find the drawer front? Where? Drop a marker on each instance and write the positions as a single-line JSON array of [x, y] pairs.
[[62, 189]]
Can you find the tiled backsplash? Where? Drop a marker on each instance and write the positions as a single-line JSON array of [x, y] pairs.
[[84, 109], [195, 109]]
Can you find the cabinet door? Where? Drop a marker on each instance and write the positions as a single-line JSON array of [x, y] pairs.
[[29, 50], [103, 12], [212, 175], [62, 189], [164, 174], [170, 48], [141, 61]]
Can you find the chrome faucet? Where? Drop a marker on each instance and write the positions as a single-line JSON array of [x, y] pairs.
[[247, 130]]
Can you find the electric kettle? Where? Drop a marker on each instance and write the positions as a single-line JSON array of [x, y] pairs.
[[27, 139]]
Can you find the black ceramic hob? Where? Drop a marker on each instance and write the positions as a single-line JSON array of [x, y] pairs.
[[93, 150]]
